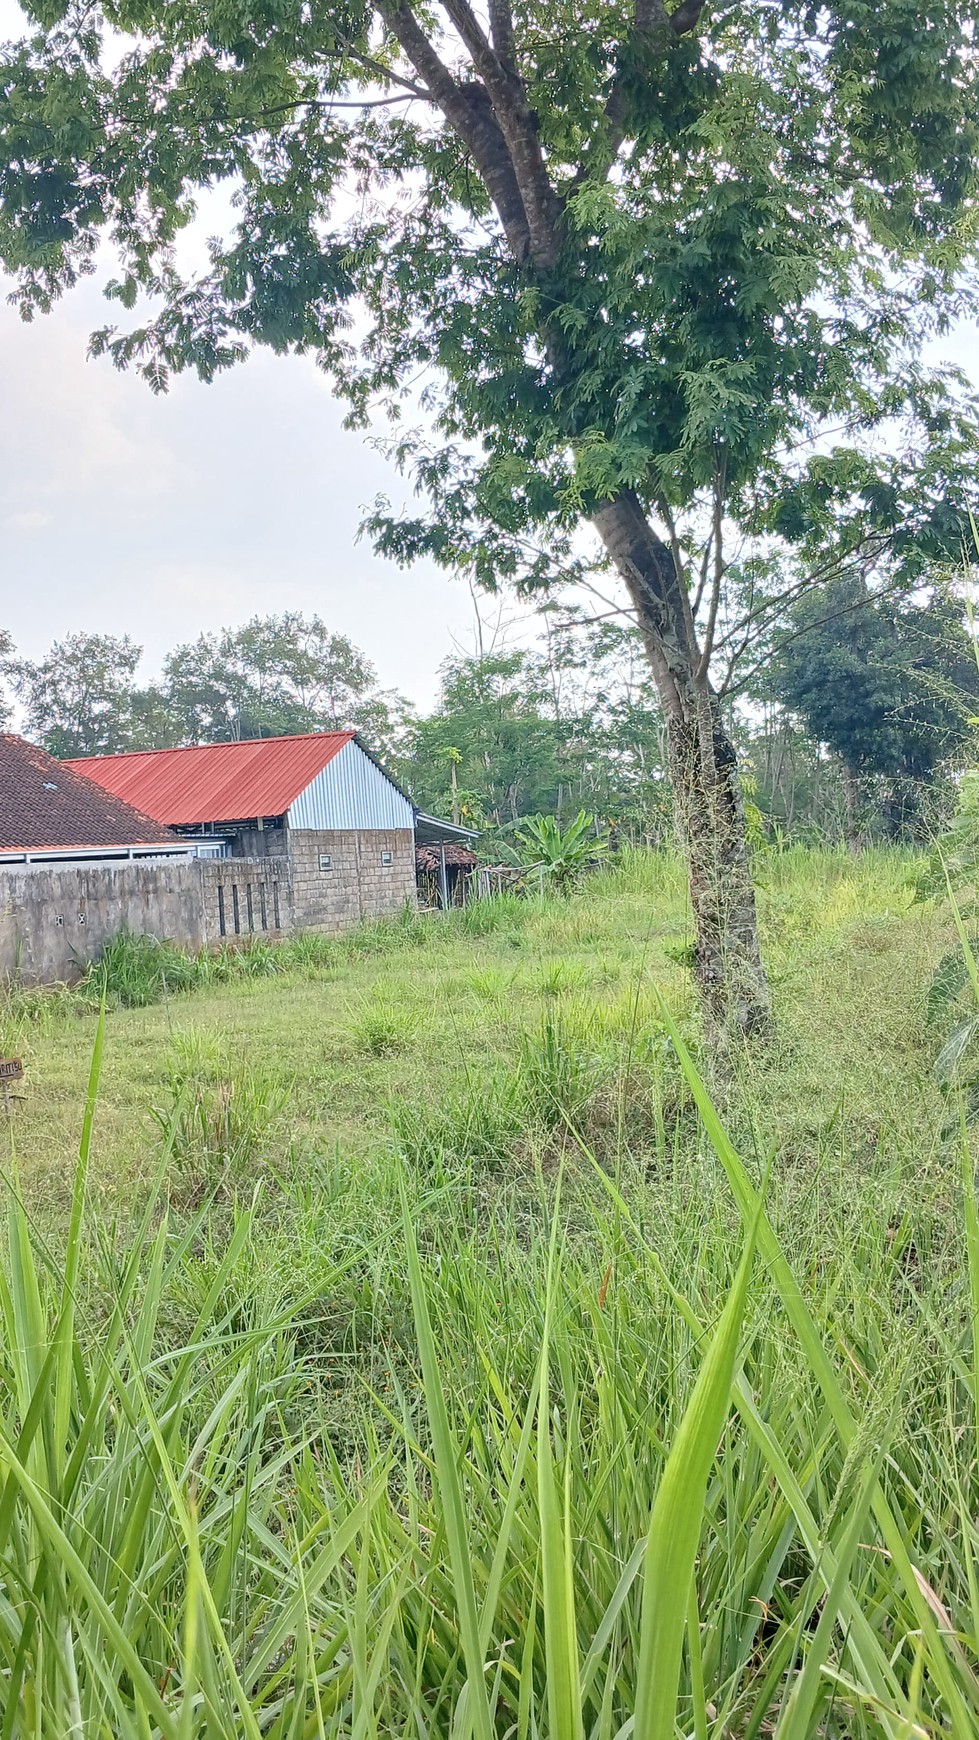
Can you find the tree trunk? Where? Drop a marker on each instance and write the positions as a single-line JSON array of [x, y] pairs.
[[711, 825], [852, 803], [493, 117], [703, 767]]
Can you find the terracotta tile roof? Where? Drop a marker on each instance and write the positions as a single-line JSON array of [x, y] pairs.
[[46, 806], [217, 782], [428, 858]]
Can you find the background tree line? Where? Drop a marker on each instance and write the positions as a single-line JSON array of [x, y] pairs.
[[857, 711]]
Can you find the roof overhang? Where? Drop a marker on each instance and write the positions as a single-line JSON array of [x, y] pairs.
[[430, 830], [93, 854]]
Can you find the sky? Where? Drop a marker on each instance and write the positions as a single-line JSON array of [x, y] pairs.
[[164, 517]]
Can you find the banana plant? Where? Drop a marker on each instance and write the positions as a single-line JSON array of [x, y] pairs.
[[558, 857]]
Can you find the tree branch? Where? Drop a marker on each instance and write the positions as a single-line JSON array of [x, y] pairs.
[[519, 128], [679, 567], [686, 17], [331, 103], [698, 596], [869, 550], [468, 110], [818, 622], [385, 72], [832, 571], [720, 565], [501, 33]]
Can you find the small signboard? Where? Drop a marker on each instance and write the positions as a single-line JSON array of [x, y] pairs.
[[11, 1069]]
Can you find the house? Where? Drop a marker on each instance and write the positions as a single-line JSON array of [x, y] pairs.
[[49, 813], [201, 845], [78, 864], [315, 817]]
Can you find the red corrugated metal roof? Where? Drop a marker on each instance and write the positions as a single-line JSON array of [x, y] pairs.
[[45, 806], [216, 782]]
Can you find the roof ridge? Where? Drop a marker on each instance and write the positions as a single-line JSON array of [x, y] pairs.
[[227, 743]]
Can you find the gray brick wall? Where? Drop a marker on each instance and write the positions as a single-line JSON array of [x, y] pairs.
[[55, 917], [246, 897], [357, 884]]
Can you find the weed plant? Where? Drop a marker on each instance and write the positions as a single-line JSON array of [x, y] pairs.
[[382, 1027], [217, 1114]]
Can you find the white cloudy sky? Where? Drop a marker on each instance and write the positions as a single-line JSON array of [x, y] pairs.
[[160, 517], [163, 517]]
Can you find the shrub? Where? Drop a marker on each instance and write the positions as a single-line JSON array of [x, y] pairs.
[[134, 971], [383, 1028], [216, 1115], [491, 983], [476, 1127], [560, 1069], [558, 976]]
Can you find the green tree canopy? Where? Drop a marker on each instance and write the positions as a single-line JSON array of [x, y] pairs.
[[527, 732], [6, 657], [272, 676], [888, 684], [78, 700], [490, 724], [645, 261]]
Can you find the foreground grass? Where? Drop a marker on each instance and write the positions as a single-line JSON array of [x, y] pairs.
[[386, 1451]]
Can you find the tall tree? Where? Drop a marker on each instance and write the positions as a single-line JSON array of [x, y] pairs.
[[888, 684], [272, 676], [6, 660], [79, 699], [645, 255], [517, 733], [489, 747]]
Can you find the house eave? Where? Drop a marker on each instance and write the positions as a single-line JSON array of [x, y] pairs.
[[431, 829]]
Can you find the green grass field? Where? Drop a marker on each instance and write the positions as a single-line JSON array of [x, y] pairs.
[[385, 1369]]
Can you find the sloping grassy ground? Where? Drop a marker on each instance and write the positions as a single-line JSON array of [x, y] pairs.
[[300, 1524], [411, 1016]]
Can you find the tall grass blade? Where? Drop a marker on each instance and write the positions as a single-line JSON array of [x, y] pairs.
[[677, 1519], [798, 1720], [446, 1456], [66, 1326], [799, 1315], [557, 1564]]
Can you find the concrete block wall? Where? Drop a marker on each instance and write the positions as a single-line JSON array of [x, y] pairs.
[[56, 917], [245, 897], [357, 883]]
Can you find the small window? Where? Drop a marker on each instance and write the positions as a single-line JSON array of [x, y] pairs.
[[326, 861], [59, 918], [387, 857]]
